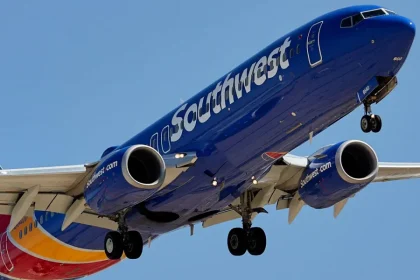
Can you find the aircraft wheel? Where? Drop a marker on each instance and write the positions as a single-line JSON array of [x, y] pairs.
[[376, 123], [113, 245], [133, 245], [256, 241], [365, 124], [237, 241]]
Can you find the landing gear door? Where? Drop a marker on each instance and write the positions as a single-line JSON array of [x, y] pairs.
[[313, 45]]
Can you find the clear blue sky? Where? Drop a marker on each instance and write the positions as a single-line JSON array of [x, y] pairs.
[[79, 76]]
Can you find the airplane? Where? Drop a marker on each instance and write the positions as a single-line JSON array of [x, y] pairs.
[[222, 155]]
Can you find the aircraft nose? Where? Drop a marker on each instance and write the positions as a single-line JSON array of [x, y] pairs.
[[401, 28], [407, 26]]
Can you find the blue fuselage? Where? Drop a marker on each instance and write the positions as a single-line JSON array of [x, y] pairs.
[[299, 85], [321, 68]]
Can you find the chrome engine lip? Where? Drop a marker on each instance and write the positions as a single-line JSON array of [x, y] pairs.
[[127, 176], [343, 174]]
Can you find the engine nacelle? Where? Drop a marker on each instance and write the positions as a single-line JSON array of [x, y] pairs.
[[125, 177], [337, 172]]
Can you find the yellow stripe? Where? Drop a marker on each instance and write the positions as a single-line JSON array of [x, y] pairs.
[[46, 246]]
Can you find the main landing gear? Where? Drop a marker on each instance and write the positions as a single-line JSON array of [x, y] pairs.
[[246, 238], [129, 242], [370, 122]]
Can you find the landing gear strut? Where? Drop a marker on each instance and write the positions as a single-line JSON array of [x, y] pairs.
[[117, 242], [246, 238], [370, 122]]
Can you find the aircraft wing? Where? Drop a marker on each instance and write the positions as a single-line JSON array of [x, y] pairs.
[[279, 186], [60, 189], [389, 171]]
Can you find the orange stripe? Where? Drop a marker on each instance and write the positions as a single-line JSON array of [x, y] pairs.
[[46, 246]]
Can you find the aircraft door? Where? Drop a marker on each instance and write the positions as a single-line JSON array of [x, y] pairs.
[[313, 45], [165, 139], [154, 141], [5, 257]]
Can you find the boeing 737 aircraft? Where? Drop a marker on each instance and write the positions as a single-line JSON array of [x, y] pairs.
[[220, 156]]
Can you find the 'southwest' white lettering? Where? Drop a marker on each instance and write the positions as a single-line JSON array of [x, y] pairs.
[[226, 89]]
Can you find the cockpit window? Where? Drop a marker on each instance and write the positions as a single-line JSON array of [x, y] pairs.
[[374, 13], [346, 23], [349, 22], [357, 18]]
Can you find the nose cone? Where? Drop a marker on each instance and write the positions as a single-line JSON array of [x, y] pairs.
[[412, 28], [393, 32], [406, 26], [401, 28]]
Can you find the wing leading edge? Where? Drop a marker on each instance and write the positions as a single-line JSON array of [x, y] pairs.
[[60, 189]]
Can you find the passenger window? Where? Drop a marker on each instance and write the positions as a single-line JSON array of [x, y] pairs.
[[298, 49], [30, 227], [292, 52], [46, 216], [346, 23], [25, 231], [35, 224], [20, 234], [52, 214], [41, 219]]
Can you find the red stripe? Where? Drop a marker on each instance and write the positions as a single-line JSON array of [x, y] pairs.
[[30, 267]]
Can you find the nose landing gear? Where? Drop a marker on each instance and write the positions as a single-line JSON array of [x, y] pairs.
[[370, 122]]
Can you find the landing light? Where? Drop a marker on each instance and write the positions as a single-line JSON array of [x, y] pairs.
[[179, 155]]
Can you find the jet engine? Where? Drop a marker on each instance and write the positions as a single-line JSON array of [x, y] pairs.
[[337, 172], [123, 178]]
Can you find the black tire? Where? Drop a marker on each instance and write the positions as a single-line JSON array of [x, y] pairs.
[[365, 124], [113, 245], [376, 123], [133, 245], [257, 241], [237, 241]]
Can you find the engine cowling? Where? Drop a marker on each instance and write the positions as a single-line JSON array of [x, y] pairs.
[[337, 172], [123, 178]]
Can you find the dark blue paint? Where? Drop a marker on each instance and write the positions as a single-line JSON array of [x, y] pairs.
[[110, 192], [325, 187], [77, 235], [230, 143]]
